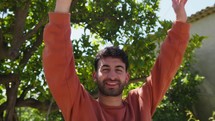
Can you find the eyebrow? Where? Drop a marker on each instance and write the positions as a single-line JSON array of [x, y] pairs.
[[119, 66], [105, 66]]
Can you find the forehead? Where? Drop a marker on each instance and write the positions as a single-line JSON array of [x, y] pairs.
[[110, 61]]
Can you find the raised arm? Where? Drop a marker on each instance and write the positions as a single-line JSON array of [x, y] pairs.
[[59, 62], [169, 59]]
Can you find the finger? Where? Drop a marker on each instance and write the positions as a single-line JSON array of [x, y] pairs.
[[174, 2], [183, 2]]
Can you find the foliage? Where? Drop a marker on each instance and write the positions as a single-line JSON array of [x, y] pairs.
[[191, 116], [31, 114], [129, 24], [212, 118]]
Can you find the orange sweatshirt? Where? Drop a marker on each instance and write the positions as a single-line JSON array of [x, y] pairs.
[[75, 102]]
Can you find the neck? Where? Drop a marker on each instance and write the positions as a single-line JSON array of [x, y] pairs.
[[110, 100]]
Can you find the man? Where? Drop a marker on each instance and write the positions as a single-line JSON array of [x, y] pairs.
[[110, 74]]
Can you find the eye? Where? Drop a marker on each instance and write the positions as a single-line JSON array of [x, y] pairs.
[[119, 70], [105, 69]]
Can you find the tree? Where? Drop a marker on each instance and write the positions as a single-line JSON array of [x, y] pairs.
[[22, 24], [129, 24]]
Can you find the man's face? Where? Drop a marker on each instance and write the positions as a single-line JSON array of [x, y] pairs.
[[111, 76]]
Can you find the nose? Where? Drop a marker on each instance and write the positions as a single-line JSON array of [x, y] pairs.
[[112, 75]]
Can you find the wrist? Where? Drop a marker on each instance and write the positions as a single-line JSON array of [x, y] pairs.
[[181, 19], [181, 16], [62, 6]]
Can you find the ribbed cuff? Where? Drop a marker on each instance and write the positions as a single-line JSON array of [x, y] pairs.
[[181, 27], [59, 18]]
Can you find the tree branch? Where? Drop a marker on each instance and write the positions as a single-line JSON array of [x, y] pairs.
[[29, 52], [3, 50], [24, 92], [11, 92], [36, 28], [49, 110], [74, 2], [20, 18], [135, 80], [5, 79], [33, 103]]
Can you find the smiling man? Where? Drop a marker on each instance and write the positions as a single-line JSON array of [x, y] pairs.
[[111, 76], [111, 65], [111, 72]]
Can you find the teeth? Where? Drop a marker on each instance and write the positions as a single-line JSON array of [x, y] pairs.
[[112, 83]]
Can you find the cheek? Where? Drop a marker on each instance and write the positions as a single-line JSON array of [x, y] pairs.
[[126, 78], [100, 76]]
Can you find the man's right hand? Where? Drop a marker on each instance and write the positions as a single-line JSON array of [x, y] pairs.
[[179, 8], [63, 6]]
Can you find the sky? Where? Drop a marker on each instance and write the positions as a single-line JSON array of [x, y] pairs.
[[166, 12]]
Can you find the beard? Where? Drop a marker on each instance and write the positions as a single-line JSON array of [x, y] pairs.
[[107, 91]]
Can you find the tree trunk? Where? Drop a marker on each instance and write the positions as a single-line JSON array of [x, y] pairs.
[[12, 89]]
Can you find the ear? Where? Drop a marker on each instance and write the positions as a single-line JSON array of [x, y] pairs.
[[127, 77], [94, 75]]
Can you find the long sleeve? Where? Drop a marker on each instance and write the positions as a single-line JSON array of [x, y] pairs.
[[162, 73], [59, 64], [168, 61]]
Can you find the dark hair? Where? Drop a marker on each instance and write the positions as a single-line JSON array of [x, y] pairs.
[[114, 52]]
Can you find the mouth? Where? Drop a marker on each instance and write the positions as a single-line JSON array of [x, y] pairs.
[[112, 84]]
